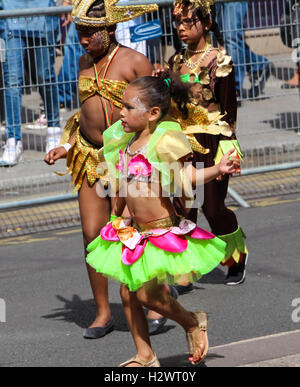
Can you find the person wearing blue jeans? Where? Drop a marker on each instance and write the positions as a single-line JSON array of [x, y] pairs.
[[230, 18], [67, 77], [20, 34]]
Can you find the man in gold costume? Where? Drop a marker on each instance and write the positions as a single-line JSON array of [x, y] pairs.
[[104, 73]]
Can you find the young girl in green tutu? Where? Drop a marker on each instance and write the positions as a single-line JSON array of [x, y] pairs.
[[147, 153]]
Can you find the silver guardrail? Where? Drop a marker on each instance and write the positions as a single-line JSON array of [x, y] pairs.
[[268, 116]]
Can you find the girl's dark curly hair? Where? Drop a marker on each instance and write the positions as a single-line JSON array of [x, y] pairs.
[[158, 91]]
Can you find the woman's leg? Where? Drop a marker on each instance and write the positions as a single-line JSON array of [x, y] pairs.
[[95, 213]]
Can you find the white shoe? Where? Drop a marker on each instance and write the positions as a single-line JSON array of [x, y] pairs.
[[12, 153], [53, 138], [39, 124]]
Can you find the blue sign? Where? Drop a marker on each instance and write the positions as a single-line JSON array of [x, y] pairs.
[[146, 31]]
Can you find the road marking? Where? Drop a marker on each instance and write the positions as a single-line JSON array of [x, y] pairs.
[[79, 230], [275, 201], [272, 201], [29, 239], [22, 240]]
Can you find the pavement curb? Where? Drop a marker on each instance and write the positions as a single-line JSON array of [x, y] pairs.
[[278, 349]]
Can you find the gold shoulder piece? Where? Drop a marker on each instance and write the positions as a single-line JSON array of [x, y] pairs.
[[224, 64]]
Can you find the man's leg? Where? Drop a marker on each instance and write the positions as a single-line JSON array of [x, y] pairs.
[[45, 60], [67, 77], [95, 213], [13, 69], [231, 17]]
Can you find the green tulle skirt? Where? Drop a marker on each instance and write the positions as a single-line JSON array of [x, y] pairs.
[[200, 258]]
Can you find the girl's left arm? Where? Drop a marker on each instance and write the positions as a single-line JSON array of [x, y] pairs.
[[227, 165]]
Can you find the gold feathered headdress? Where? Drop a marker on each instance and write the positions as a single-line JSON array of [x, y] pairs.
[[113, 14], [205, 6]]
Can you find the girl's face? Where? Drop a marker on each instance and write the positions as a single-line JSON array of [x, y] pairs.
[[189, 27], [135, 115], [95, 41]]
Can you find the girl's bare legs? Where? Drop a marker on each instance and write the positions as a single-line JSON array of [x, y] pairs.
[[137, 324], [153, 297], [151, 313], [95, 213]]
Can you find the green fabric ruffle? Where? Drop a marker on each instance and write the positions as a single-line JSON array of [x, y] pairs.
[[235, 245], [201, 257]]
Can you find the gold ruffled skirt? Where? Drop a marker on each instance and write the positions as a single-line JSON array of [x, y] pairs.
[[82, 159]]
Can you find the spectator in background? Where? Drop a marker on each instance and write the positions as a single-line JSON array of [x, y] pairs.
[[68, 75], [2, 58], [289, 31], [230, 18], [19, 34], [123, 35]]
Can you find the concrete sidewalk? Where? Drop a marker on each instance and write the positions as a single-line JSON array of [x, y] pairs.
[[279, 350]]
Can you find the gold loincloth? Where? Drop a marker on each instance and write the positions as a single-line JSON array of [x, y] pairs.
[[82, 159]]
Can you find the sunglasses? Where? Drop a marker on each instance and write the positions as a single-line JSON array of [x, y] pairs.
[[187, 22]]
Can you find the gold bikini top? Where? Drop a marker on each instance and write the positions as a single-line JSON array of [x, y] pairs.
[[109, 89]]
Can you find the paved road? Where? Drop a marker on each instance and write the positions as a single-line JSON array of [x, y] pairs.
[[48, 301]]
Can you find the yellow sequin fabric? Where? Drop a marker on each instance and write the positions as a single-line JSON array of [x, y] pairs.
[[202, 119], [113, 14], [83, 157], [108, 89]]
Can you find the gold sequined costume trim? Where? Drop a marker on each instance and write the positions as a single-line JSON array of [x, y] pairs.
[[164, 223], [82, 158], [108, 89], [113, 14]]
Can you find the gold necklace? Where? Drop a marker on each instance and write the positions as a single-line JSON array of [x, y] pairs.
[[196, 51], [194, 65]]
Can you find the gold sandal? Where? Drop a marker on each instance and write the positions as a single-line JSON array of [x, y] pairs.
[[202, 320], [136, 359]]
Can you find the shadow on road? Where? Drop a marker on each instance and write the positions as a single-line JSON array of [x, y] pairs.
[[216, 276], [82, 312]]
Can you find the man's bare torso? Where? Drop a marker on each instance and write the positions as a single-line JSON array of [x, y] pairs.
[[127, 65]]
